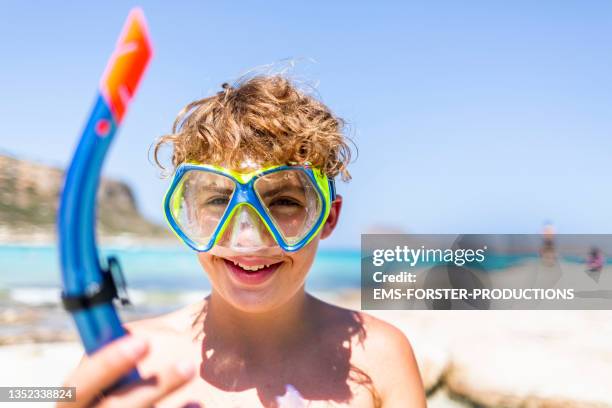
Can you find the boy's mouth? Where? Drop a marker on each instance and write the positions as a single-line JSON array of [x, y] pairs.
[[252, 271]]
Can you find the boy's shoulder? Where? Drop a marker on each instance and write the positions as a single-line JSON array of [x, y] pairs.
[[383, 351], [369, 332]]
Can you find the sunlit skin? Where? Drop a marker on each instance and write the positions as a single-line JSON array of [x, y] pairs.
[[268, 343]]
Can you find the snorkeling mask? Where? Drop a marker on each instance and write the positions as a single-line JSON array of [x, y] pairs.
[[283, 205]]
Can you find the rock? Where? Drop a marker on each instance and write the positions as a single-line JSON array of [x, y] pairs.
[[37, 336], [441, 399], [13, 315], [534, 359], [513, 358], [29, 198]]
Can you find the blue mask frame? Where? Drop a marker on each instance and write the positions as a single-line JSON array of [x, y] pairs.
[[244, 194]]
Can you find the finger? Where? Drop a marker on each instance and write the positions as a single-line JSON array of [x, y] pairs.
[[148, 392], [104, 368]]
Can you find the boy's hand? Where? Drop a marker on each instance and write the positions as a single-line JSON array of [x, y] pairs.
[[105, 367]]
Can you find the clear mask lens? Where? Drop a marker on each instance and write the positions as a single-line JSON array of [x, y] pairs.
[[291, 201], [199, 202]]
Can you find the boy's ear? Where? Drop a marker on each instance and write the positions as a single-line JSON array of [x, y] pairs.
[[332, 219]]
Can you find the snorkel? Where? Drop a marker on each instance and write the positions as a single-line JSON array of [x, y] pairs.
[[89, 286]]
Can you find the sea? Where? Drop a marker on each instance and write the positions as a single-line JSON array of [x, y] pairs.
[[159, 279], [32, 273]]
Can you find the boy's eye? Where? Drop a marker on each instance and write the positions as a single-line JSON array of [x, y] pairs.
[[285, 202], [217, 201]]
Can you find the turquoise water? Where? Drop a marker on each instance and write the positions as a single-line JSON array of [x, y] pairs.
[[162, 268]]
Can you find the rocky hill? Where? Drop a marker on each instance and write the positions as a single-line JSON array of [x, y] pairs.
[[29, 198]]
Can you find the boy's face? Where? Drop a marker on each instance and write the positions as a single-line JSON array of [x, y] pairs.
[[263, 280]]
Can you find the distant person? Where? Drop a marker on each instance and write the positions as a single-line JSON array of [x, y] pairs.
[[595, 260], [548, 252]]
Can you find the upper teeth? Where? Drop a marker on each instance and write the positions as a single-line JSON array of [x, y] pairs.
[[252, 267]]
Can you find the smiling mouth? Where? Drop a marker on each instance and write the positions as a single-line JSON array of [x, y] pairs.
[[251, 274]]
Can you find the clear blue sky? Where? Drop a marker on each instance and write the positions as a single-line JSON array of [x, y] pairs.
[[472, 116]]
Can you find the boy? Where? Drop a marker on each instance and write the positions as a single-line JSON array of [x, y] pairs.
[[253, 193]]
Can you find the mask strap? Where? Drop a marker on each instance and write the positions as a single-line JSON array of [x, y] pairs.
[[332, 189]]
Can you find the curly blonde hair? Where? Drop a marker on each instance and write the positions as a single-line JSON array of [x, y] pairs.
[[265, 119]]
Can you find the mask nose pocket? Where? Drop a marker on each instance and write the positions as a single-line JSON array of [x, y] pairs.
[[246, 231]]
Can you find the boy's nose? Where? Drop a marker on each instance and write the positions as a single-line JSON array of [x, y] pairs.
[[246, 232]]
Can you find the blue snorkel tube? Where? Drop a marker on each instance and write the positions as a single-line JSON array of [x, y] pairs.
[[90, 287]]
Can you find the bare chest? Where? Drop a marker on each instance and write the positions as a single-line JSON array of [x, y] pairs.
[[203, 395], [223, 380]]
